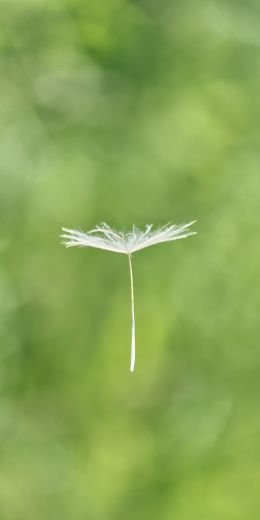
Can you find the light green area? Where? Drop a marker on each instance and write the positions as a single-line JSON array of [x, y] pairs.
[[130, 112]]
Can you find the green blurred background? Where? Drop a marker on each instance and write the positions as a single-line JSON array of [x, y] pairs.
[[129, 112]]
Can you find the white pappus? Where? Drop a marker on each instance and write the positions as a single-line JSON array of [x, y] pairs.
[[104, 237]]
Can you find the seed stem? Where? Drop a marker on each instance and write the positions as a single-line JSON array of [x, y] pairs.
[[132, 362]]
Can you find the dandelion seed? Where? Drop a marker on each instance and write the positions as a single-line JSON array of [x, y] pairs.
[[104, 237]]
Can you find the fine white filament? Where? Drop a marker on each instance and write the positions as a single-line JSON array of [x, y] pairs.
[[132, 361], [104, 237]]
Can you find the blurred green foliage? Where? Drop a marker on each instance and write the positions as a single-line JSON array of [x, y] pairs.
[[130, 112]]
